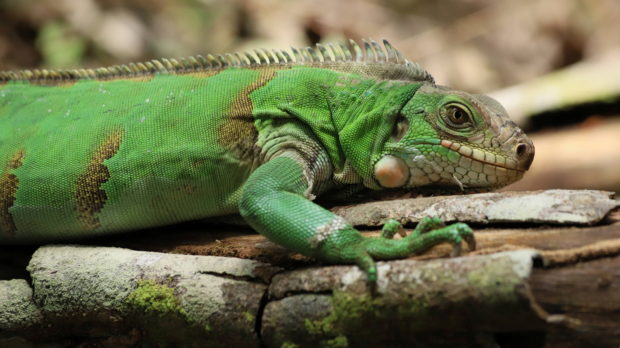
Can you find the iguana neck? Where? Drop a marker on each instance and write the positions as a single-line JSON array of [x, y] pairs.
[[364, 115], [350, 114]]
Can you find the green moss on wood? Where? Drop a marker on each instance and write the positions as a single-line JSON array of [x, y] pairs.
[[339, 341], [249, 317], [152, 298], [352, 313]]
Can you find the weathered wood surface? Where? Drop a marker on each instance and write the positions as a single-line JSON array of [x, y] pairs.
[[537, 285], [578, 207]]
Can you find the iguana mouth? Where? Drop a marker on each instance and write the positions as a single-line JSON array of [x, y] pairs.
[[481, 156]]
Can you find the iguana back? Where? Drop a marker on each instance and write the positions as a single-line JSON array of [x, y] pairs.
[[110, 155], [91, 151]]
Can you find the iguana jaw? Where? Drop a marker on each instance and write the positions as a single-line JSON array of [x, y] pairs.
[[464, 167]]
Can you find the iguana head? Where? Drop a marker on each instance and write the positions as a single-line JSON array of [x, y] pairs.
[[448, 138]]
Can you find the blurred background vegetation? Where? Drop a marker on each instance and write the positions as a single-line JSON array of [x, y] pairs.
[[476, 45]]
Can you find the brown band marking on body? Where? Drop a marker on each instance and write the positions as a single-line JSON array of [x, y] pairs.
[[8, 188], [90, 197], [238, 132]]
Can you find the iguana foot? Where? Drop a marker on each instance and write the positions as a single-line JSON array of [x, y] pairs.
[[435, 231], [392, 226], [428, 233]]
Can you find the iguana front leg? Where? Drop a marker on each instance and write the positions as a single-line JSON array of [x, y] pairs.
[[274, 204]]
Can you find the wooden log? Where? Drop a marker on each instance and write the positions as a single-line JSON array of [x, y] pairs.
[[587, 294], [529, 285]]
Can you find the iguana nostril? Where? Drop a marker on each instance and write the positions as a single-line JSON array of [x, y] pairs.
[[521, 150], [525, 155]]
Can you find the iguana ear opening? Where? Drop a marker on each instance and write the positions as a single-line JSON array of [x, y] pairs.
[[401, 128], [391, 172]]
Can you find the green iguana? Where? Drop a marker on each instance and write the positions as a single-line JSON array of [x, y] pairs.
[[97, 151]]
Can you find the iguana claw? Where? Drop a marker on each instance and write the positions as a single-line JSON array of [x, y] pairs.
[[460, 231], [391, 227], [456, 250], [427, 224], [471, 242]]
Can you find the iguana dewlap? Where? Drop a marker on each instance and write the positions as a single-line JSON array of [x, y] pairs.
[[98, 151]]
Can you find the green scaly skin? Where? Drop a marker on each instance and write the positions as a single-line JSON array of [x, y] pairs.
[[92, 152]]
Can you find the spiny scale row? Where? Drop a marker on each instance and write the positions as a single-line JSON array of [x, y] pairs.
[[371, 51]]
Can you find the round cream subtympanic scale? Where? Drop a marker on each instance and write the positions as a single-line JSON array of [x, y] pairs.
[[391, 172]]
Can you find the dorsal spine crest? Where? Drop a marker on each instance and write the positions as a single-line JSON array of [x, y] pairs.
[[321, 55]]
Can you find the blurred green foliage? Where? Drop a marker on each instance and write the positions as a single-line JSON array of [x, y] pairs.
[[477, 45], [59, 47]]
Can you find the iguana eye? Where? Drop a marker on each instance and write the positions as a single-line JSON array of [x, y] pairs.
[[401, 127], [457, 116]]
